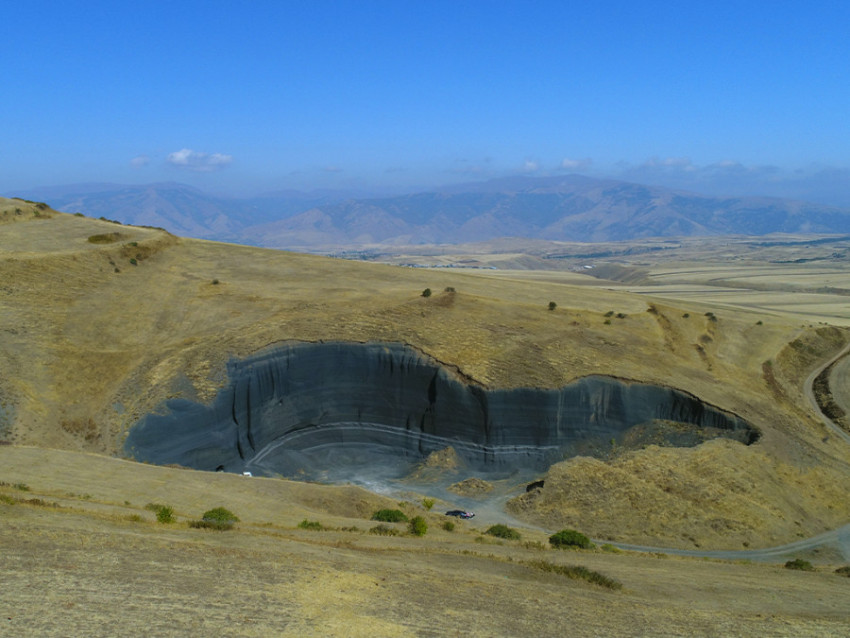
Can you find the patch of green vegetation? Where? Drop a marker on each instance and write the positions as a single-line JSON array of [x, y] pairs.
[[135, 518], [611, 549], [164, 513], [418, 526], [7, 500], [133, 261], [576, 572], [311, 525], [570, 538], [552, 305], [449, 526], [390, 516], [610, 313], [384, 530], [428, 503], [426, 292], [218, 518], [800, 565], [843, 571], [23, 487], [449, 289], [503, 531]]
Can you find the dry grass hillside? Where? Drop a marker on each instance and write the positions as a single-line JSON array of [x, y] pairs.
[[100, 323], [83, 555]]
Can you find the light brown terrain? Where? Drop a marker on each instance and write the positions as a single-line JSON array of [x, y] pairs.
[[90, 341]]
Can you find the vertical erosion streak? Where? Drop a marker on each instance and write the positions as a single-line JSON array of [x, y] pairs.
[[380, 388]]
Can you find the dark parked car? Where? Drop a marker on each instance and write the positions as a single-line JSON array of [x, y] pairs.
[[460, 513]]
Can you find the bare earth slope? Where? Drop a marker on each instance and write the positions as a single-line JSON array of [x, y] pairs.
[[97, 333]]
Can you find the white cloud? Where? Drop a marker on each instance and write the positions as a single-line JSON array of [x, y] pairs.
[[139, 161], [197, 161], [530, 166], [576, 164], [683, 163]]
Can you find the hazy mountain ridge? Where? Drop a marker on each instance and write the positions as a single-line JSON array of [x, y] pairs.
[[568, 208]]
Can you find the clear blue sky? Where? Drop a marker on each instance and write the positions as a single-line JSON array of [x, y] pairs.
[[251, 96]]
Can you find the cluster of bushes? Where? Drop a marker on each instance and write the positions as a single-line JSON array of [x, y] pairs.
[[390, 516], [416, 525]]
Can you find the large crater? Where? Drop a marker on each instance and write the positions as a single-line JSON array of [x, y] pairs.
[[331, 411]]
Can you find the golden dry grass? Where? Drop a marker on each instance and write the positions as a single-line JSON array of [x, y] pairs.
[[91, 342], [88, 568]]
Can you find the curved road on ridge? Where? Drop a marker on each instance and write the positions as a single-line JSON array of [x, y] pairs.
[[838, 539]]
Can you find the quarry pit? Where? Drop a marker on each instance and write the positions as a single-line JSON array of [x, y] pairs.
[[374, 413]]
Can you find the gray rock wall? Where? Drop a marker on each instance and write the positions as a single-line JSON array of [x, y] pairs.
[[302, 397]]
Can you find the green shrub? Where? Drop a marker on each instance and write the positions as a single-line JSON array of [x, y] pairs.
[[314, 525], [428, 503], [426, 292], [135, 518], [384, 530], [503, 531], [133, 261], [686, 315], [449, 526], [449, 289], [165, 514], [552, 305], [78, 215], [7, 500], [220, 514], [418, 526], [800, 564], [215, 282], [610, 313], [570, 538], [22, 487], [390, 516], [218, 518], [843, 571]]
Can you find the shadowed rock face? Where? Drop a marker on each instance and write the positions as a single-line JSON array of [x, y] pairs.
[[295, 406]]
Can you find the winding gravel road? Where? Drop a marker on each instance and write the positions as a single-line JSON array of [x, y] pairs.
[[837, 540]]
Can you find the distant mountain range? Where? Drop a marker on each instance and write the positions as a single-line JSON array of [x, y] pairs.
[[568, 208]]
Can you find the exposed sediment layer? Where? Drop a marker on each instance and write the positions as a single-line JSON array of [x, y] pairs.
[[298, 399]]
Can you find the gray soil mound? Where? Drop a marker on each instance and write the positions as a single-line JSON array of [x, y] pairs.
[[326, 411]]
